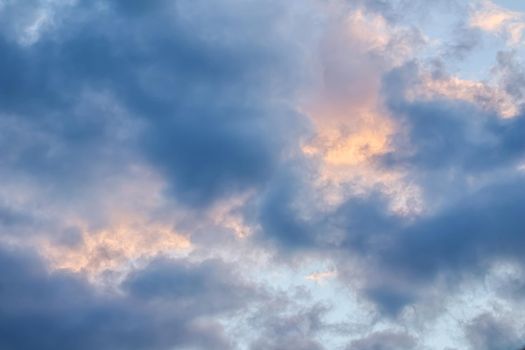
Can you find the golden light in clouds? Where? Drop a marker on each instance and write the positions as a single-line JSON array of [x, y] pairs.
[[489, 17], [351, 145], [226, 214], [321, 276], [113, 247], [452, 87], [352, 127]]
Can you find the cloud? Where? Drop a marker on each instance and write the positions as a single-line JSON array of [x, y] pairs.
[[487, 332], [206, 150], [160, 155], [471, 219], [489, 17], [107, 131], [299, 330], [384, 340], [178, 282], [169, 303], [449, 133], [511, 76], [481, 227]]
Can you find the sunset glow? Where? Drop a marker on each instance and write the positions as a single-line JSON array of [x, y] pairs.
[[262, 174]]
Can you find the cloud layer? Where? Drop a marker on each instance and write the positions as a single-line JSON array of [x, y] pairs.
[[261, 175]]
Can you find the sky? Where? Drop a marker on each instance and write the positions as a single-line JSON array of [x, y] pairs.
[[262, 174]]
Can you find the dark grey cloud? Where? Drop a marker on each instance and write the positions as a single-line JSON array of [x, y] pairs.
[[511, 75], [170, 303], [465, 228], [137, 7], [446, 134], [481, 227], [465, 40], [363, 219], [278, 215], [489, 332], [55, 129], [179, 282], [399, 11], [460, 242], [208, 95], [203, 94], [444, 145], [290, 217], [390, 299], [385, 340], [282, 330], [10, 217], [472, 224]]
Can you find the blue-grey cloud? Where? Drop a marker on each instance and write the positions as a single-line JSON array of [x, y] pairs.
[[482, 226], [384, 340], [299, 330], [511, 74], [61, 310], [212, 107], [179, 282], [447, 134], [206, 96], [466, 228], [489, 332]]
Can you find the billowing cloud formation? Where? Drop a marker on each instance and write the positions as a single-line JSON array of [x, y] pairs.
[[169, 74], [492, 18], [261, 174], [60, 310], [486, 332]]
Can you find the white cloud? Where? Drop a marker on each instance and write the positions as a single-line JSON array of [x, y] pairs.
[[492, 18]]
